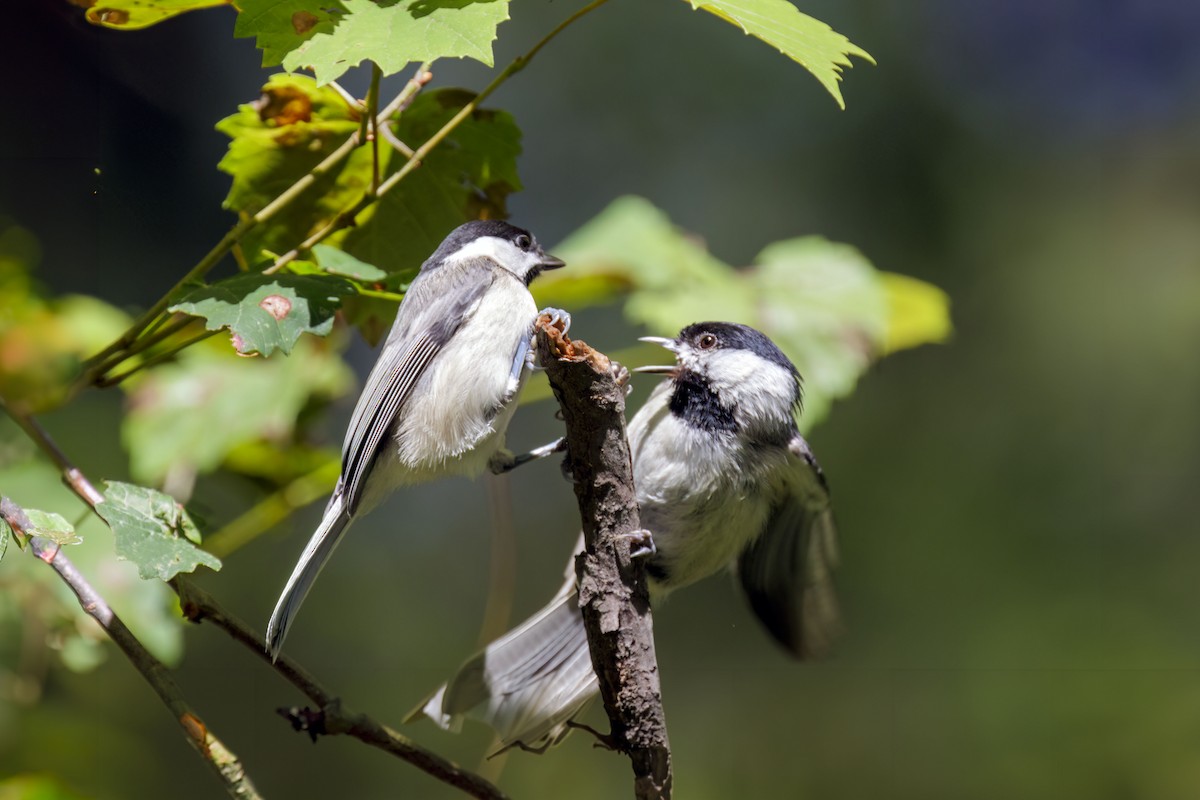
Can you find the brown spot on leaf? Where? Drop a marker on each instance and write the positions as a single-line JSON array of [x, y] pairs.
[[304, 21], [284, 105], [276, 305], [107, 16]]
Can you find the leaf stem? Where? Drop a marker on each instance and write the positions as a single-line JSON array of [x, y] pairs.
[[373, 134]]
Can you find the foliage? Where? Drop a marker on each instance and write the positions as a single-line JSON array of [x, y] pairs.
[[33, 599], [823, 303], [43, 340], [337, 207], [265, 313], [153, 531], [134, 14], [195, 413], [807, 41], [330, 38]]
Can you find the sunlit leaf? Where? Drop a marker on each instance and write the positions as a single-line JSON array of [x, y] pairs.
[[919, 313], [268, 312], [5, 534], [823, 303], [133, 14], [277, 140], [630, 244], [814, 45], [153, 531], [192, 413], [330, 38]]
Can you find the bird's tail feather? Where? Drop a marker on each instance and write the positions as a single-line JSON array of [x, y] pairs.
[[333, 526], [527, 684]]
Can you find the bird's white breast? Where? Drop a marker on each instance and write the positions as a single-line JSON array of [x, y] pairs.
[[456, 418], [704, 497]]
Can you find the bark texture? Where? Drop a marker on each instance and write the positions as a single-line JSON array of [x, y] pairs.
[[612, 586]]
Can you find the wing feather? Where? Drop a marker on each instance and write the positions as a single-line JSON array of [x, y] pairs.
[[787, 572], [425, 323]]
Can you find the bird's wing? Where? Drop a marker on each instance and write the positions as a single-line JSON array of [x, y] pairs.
[[427, 321], [787, 572]]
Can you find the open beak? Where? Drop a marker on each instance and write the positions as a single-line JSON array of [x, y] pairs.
[[551, 262], [670, 344]]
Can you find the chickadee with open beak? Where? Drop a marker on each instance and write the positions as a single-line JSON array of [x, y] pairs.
[[441, 394], [723, 478]]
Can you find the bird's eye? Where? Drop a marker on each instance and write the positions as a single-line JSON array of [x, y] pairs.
[[524, 242], [707, 341]]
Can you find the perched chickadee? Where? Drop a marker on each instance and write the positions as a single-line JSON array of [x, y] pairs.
[[439, 399], [723, 478]]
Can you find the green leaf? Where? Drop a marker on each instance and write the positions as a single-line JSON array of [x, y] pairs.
[[823, 303], [134, 14], [152, 531], [191, 414], [807, 41], [277, 140], [283, 25], [36, 601], [268, 312], [469, 176], [919, 313], [338, 262], [49, 525], [5, 534], [330, 38]]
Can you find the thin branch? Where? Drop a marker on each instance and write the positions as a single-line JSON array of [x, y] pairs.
[[158, 358], [612, 586], [211, 749], [331, 717], [75, 480]]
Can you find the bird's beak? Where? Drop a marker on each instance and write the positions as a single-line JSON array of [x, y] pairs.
[[661, 341], [551, 262], [670, 344]]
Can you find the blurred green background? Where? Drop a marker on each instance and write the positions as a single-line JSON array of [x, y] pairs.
[[1018, 508]]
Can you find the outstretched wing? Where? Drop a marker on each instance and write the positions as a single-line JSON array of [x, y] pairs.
[[787, 572], [427, 320]]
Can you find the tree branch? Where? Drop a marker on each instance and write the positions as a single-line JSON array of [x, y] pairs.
[[214, 753], [331, 716], [612, 586]]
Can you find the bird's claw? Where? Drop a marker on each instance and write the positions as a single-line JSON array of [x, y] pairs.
[[641, 543], [558, 318], [621, 374]]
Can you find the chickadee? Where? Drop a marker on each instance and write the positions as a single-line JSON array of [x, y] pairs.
[[723, 478], [438, 400]]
